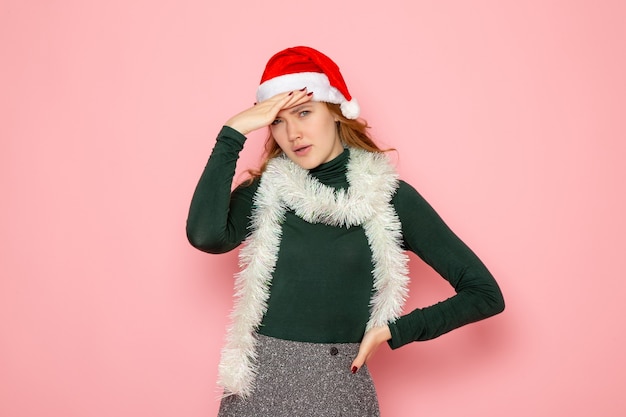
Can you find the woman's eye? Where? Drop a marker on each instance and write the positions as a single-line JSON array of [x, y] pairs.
[[304, 113], [275, 122]]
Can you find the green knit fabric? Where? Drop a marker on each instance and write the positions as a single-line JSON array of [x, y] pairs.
[[322, 282]]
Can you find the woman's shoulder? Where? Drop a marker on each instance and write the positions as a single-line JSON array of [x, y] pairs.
[[247, 188], [405, 190], [408, 198]]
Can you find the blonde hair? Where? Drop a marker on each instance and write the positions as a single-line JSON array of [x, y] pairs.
[[352, 133]]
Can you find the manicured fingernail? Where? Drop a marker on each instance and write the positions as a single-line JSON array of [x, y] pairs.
[[303, 89], [354, 369], [310, 94], [290, 93]]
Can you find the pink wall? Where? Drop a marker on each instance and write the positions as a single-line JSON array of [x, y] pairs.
[[508, 116]]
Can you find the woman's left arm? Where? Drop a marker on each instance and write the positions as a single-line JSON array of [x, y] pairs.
[[477, 293]]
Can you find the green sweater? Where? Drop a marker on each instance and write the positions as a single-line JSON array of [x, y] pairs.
[[322, 282]]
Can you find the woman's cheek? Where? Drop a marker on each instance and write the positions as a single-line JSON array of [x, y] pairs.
[[280, 137]]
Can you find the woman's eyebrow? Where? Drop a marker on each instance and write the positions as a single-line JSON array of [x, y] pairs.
[[298, 108]]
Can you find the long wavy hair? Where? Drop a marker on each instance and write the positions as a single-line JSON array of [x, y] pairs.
[[352, 133]]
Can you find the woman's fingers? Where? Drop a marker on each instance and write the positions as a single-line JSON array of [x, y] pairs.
[[370, 343], [287, 100], [360, 359], [264, 113], [298, 97]]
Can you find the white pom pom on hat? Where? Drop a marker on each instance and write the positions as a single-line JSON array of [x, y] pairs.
[[301, 66]]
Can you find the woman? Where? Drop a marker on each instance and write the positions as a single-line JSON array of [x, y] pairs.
[[326, 224]]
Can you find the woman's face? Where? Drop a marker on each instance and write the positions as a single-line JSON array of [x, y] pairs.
[[307, 134]]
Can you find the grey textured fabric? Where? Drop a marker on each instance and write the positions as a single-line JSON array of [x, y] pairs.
[[298, 379]]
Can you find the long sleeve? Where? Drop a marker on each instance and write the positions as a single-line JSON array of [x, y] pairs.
[[477, 293], [218, 219]]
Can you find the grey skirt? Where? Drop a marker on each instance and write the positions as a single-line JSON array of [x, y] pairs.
[[298, 379]]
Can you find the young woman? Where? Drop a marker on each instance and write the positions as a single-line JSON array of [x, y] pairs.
[[326, 225]]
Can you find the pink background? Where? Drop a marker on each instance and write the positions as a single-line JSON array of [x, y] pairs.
[[509, 116]]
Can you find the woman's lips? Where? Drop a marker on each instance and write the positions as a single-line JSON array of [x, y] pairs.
[[302, 150]]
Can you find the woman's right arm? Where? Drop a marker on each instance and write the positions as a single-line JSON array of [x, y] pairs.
[[217, 220]]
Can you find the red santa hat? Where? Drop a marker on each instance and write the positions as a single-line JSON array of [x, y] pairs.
[[301, 66]]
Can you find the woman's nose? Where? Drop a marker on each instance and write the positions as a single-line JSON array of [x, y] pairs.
[[293, 132]]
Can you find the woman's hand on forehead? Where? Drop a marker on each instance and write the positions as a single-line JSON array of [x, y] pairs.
[[264, 113]]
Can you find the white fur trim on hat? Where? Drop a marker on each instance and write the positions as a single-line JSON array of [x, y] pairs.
[[315, 82]]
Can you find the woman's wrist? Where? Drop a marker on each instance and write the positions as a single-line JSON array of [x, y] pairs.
[[233, 124]]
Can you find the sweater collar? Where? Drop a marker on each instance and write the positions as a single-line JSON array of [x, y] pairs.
[[333, 172]]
